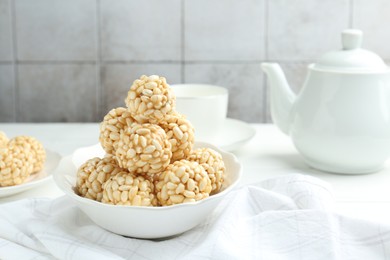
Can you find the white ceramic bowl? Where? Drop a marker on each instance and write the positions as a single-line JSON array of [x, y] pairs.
[[143, 222]]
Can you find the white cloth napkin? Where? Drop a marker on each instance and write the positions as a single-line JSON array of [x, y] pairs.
[[289, 217]]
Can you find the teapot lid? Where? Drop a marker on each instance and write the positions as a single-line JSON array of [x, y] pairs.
[[352, 58]]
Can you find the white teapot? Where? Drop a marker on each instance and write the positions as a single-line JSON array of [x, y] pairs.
[[340, 120]]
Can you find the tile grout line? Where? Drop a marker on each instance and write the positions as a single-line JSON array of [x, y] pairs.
[[351, 13], [14, 62], [101, 62], [265, 15], [99, 85], [265, 88], [182, 38], [49, 62]]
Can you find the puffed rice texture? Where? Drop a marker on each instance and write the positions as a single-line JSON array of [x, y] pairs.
[[212, 162], [33, 146], [15, 165], [180, 134], [182, 182], [143, 149], [129, 189], [150, 99], [3, 139], [111, 126], [93, 174]]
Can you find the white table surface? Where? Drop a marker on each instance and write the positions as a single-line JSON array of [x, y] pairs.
[[270, 153]]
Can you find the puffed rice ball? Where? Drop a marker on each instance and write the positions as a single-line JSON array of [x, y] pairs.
[[182, 182], [93, 174], [150, 99], [143, 148], [3, 139], [33, 146], [213, 163], [110, 128], [129, 189], [15, 165], [180, 134]]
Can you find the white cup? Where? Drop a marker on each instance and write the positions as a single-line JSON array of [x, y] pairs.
[[205, 106]]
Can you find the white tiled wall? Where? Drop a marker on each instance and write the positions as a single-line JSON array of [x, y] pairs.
[[74, 60], [5, 31], [117, 78], [224, 30], [140, 30], [244, 81], [7, 95], [56, 30], [57, 92], [373, 17]]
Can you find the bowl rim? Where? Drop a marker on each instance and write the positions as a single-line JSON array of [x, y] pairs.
[[60, 181]]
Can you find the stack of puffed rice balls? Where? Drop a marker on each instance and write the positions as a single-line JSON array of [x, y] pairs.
[[20, 157], [150, 160]]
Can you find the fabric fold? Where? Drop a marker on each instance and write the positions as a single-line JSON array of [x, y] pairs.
[[288, 217]]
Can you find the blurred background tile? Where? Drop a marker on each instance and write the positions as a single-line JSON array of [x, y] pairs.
[[64, 93], [244, 82], [295, 74], [7, 96], [372, 17], [224, 30], [5, 31], [199, 41], [141, 30], [50, 30], [305, 29], [117, 79]]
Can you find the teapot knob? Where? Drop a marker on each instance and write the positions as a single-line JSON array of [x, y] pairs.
[[352, 39]]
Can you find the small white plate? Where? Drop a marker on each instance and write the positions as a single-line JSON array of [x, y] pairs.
[[235, 133], [52, 160]]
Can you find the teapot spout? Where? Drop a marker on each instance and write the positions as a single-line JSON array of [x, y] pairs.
[[282, 97]]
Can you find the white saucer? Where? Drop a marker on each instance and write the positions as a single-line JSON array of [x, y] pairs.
[[234, 134], [52, 160]]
